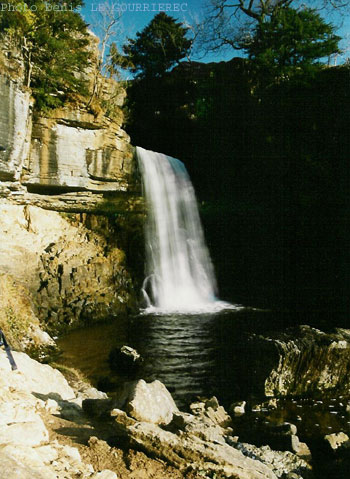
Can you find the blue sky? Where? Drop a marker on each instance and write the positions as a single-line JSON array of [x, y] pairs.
[[189, 11], [133, 21]]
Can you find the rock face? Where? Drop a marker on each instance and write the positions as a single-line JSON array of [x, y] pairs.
[[15, 128], [18, 321], [74, 150], [73, 160], [300, 361], [67, 149], [70, 271]]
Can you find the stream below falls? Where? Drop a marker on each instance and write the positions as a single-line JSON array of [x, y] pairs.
[[201, 355]]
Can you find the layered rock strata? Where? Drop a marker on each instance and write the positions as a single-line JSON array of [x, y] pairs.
[[70, 271], [302, 361]]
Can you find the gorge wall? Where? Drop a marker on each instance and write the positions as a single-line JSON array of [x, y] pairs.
[[68, 187]]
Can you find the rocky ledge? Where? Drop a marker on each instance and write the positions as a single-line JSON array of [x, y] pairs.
[[301, 361], [58, 270], [50, 430]]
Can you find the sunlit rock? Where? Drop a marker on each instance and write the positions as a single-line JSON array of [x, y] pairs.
[[150, 402]]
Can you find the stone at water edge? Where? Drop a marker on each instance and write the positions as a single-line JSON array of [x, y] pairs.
[[336, 440], [125, 360], [286, 429], [238, 408]]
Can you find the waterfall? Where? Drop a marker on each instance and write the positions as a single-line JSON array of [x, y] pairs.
[[179, 271]]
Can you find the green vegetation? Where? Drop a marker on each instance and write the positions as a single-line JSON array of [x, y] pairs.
[[290, 41], [226, 22], [53, 41], [158, 47]]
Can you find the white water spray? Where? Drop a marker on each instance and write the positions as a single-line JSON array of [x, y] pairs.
[[179, 273]]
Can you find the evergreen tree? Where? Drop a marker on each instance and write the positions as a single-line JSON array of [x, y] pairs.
[[290, 41], [158, 47], [53, 39], [226, 22]]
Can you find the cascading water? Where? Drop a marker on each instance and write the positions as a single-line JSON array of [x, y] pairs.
[[179, 272]]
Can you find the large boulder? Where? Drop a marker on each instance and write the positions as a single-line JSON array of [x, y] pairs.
[[149, 402]]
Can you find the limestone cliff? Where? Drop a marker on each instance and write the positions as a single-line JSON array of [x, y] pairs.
[[67, 183]]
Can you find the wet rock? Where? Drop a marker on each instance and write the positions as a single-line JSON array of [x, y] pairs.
[[285, 429], [125, 360], [336, 440], [300, 361], [149, 402], [238, 408]]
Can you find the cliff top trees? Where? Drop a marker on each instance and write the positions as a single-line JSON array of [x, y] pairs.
[[290, 38], [228, 20], [53, 40], [159, 46]]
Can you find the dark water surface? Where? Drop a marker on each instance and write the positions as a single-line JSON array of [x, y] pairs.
[[203, 355], [192, 354]]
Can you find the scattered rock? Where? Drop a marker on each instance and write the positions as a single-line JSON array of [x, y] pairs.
[[283, 463], [238, 408], [336, 440], [211, 409], [188, 451]]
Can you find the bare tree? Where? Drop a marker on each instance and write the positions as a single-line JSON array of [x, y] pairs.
[[107, 26], [228, 21]]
